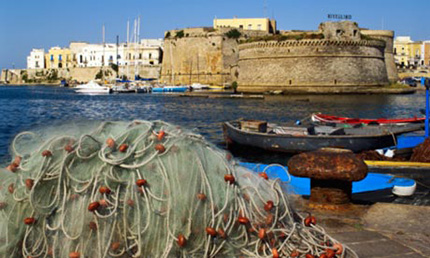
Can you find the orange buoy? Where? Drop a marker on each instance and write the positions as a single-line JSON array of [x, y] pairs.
[[104, 190], [69, 148], [46, 153], [269, 219], [229, 178], [275, 253], [74, 255], [12, 167], [29, 183], [330, 253], [221, 233], [110, 143], [160, 148], [243, 220], [228, 156], [29, 221], [268, 206], [262, 233], [93, 206], [201, 196], [160, 135], [17, 160], [103, 203], [211, 231], [264, 175], [141, 182], [295, 253], [182, 241], [92, 225], [309, 256], [123, 147], [323, 256], [310, 220], [115, 246], [338, 247]]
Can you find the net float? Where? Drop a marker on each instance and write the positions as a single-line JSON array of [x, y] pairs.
[[228, 156], [268, 206], [50, 251], [12, 167], [141, 182], [160, 135], [338, 247], [309, 256], [123, 147], [92, 225], [160, 148], [201, 196], [262, 233], [323, 256], [182, 241], [17, 160], [74, 255], [243, 220], [93, 206], [211, 231], [275, 253], [3, 205], [74, 196], [110, 143], [263, 175], [229, 178], [29, 221], [221, 233], [69, 148], [115, 246], [130, 202], [46, 153], [269, 219], [29, 183], [310, 220], [11, 188], [104, 190], [295, 253], [330, 253]]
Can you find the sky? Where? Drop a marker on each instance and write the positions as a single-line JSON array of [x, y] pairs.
[[27, 24]]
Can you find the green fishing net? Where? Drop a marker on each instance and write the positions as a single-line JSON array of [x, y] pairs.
[[143, 189]]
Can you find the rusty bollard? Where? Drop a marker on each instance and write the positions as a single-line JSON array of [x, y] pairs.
[[331, 171]]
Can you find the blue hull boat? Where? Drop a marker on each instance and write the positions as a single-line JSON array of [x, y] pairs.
[[170, 89], [301, 186]]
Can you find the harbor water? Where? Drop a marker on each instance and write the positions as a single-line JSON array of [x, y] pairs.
[[26, 107]]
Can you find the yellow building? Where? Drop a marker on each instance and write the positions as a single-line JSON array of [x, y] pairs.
[[59, 58], [407, 53], [260, 24]]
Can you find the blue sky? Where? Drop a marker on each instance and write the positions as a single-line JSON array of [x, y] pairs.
[[28, 24]]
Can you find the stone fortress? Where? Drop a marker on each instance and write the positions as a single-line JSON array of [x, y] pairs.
[[338, 57]]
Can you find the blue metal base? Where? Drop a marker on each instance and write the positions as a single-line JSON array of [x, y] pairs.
[[410, 140]]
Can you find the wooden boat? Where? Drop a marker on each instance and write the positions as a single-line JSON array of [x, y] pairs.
[[322, 118], [297, 139]]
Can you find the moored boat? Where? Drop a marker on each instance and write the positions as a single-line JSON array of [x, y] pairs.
[[295, 139], [169, 89], [93, 88], [322, 118]]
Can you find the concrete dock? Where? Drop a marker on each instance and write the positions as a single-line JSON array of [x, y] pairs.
[[377, 230]]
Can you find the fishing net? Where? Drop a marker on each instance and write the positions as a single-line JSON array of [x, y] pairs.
[[117, 189]]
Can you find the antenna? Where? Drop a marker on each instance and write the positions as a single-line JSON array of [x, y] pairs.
[[128, 31], [265, 9]]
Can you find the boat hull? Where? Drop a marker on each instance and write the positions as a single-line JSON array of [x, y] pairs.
[[321, 118], [297, 144], [169, 89]]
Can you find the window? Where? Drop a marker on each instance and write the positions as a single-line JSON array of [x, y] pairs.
[[259, 26], [80, 58], [249, 26], [241, 26], [52, 57], [60, 57], [150, 55], [140, 55], [37, 64]]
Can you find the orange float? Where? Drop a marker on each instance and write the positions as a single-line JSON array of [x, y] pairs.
[[268, 206], [123, 147], [229, 178], [93, 206]]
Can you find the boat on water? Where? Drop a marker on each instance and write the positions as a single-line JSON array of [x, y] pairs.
[[322, 118], [199, 86], [296, 139], [400, 186], [165, 89], [93, 88]]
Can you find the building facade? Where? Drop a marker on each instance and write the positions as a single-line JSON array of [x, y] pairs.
[[408, 53], [425, 54], [58, 57], [36, 59], [147, 52], [261, 24]]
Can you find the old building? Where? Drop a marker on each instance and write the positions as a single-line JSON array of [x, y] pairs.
[[407, 53], [58, 57], [36, 59], [261, 24]]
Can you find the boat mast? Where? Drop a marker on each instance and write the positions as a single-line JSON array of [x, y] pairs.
[[128, 48], [103, 54]]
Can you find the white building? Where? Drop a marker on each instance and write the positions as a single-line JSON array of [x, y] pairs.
[[147, 52], [36, 59], [95, 55]]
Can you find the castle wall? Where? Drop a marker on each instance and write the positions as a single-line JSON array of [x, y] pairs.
[[312, 65]]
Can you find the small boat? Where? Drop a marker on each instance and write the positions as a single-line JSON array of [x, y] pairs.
[[199, 86], [170, 89], [122, 89], [296, 139], [93, 88], [399, 186], [321, 118]]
